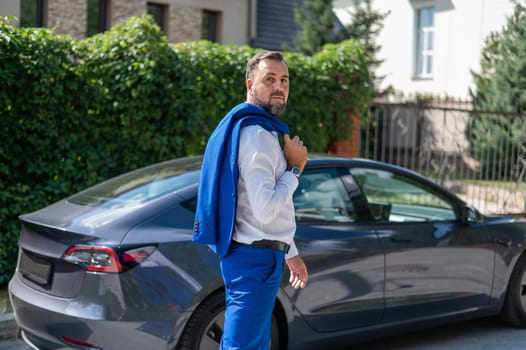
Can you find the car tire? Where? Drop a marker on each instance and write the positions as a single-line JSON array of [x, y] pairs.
[[514, 310], [205, 327]]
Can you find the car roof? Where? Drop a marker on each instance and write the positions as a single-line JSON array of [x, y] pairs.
[[320, 160], [316, 160]]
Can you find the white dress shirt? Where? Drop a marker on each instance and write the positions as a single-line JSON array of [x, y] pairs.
[[265, 209]]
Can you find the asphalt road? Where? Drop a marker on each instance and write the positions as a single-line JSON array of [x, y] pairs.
[[485, 334]]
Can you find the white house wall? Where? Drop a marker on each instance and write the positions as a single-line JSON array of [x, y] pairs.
[[460, 29]]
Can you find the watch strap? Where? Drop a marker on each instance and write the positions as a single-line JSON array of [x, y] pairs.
[[294, 170]]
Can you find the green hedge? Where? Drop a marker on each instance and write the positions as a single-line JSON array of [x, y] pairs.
[[75, 112]]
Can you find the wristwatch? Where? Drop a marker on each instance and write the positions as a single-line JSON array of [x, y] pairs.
[[295, 170]]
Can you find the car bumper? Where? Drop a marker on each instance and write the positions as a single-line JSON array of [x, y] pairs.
[[63, 322]]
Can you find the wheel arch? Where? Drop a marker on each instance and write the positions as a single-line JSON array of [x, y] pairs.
[[507, 258], [283, 325], [278, 311], [513, 311]]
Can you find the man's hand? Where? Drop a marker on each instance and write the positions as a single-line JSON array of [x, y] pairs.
[[298, 272], [295, 152]]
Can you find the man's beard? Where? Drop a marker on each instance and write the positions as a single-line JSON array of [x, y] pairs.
[[274, 109]]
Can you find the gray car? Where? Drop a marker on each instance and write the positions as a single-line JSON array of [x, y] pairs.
[[113, 267]]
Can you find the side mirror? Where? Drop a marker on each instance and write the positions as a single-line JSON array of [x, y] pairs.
[[470, 215]]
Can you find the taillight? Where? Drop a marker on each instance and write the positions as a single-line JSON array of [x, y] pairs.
[[106, 259], [135, 256]]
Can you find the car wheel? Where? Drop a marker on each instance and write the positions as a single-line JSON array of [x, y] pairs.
[[514, 311], [205, 328]]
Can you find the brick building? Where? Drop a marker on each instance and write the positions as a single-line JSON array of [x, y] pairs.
[[266, 24]]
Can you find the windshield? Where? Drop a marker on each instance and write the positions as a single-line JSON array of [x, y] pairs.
[[141, 185]]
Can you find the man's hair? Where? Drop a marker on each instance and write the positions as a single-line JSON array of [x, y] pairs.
[[262, 55]]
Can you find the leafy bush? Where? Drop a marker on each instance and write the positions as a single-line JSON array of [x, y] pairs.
[[76, 112]]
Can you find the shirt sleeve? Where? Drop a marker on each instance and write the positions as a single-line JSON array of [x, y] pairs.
[[262, 168], [293, 251]]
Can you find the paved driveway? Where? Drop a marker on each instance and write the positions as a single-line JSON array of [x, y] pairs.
[[486, 334]]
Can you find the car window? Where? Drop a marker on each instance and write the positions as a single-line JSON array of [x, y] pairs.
[[321, 196], [140, 186], [397, 198]]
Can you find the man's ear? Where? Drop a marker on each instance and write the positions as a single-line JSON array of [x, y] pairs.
[[249, 85]]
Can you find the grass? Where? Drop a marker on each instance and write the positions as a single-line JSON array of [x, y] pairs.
[[5, 304]]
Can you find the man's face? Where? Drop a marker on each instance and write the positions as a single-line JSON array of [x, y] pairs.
[[269, 86]]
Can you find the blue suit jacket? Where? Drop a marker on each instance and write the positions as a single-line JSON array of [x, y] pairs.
[[217, 192]]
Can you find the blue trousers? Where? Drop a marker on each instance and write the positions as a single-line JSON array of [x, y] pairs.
[[252, 278]]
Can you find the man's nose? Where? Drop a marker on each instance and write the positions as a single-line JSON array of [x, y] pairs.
[[278, 85]]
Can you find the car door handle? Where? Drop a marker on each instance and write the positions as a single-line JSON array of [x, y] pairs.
[[401, 239], [503, 242]]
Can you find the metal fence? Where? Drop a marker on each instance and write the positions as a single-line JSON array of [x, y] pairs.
[[479, 155]]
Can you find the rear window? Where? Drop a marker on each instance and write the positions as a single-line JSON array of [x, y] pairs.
[[142, 185]]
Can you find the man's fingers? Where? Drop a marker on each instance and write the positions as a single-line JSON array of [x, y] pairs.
[[295, 139], [296, 281], [298, 284]]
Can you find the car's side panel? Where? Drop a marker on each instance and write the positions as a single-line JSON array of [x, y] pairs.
[[435, 263], [346, 277], [435, 268], [195, 266]]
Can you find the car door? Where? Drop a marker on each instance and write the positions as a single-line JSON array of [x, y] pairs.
[[435, 263], [343, 255]]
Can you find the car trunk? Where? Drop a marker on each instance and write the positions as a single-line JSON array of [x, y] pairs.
[[48, 233]]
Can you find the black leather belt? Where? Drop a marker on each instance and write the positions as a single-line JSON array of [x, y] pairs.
[[267, 243]]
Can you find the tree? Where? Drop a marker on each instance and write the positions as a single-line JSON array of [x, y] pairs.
[[365, 25], [500, 86], [490, 56], [317, 25]]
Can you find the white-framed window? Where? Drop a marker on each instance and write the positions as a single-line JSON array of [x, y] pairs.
[[425, 37]]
